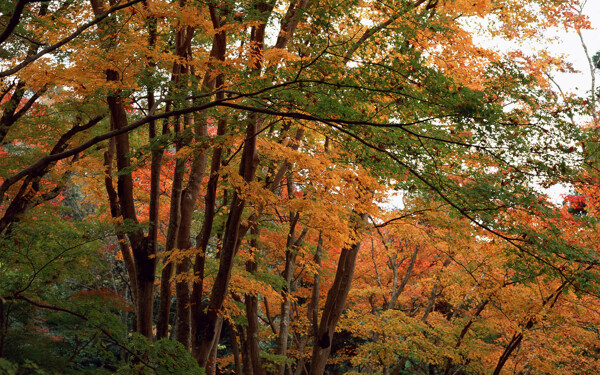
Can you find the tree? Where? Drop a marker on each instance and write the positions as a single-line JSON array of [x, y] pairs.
[[319, 108]]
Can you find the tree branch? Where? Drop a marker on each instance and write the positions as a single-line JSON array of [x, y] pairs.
[[67, 39]]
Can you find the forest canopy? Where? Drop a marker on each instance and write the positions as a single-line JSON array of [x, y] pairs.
[[295, 187]]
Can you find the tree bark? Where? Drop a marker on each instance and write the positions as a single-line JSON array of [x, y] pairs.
[[197, 309], [288, 274], [245, 352], [188, 205], [230, 246], [235, 348], [334, 306], [211, 367], [143, 255], [162, 326], [252, 330], [183, 39], [115, 211]]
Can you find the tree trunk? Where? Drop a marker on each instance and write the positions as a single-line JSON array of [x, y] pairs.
[[164, 312], [197, 309], [145, 263], [231, 243], [188, 205], [251, 300], [312, 312], [183, 39], [245, 352], [211, 367], [143, 254], [334, 306], [235, 348], [292, 245], [162, 326]]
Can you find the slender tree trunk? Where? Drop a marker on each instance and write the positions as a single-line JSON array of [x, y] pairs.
[[162, 326], [211, 367], [252, 333], [334, 306], [312, 312], [284, 325], [188, 198], [9, 114], [188, 205], [204, 329], [251, 300], [12, 110], [115, 212], [235, 349], [183, 39], [231, 243], [155, 163], [197, 309], [198, 313], [143, 254], [288, 274], [245, 352], [510, 348]]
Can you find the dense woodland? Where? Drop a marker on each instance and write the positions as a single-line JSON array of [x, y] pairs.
[[296, 187]]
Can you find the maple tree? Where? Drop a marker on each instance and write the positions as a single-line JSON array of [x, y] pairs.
[[236, 157]]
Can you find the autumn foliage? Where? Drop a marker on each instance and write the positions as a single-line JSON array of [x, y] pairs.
[[294, 187]]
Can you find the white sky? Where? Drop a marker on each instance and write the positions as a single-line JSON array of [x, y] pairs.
[[571, 45], [568, 44]]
